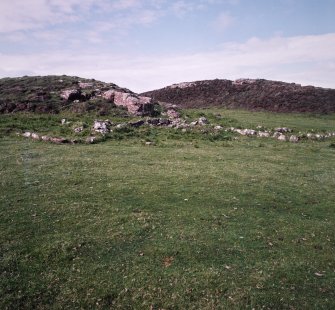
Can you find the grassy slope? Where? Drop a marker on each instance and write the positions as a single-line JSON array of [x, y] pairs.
[[224, 224]]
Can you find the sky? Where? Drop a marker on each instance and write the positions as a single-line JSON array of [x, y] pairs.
[[149, 44]]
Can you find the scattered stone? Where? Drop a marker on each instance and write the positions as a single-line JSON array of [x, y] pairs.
[[91, 140], [218, 127], [35, 136], [78, 129], [246, 132], [159, 121], [172, 113], [27, 134], [282, 137], [263, 134], [149, 143], [121, 125], [102, 127], [63, 121], [276, 135], [137, 124], [46, 138], [58, 140], [283, 129], [202, 121], [294, 139]]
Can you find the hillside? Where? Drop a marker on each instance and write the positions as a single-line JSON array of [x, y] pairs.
[[248, 94], [52, 94]]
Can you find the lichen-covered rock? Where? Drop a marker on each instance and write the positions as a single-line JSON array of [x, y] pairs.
[[35, 136], [172, 113], [102, 127], [27, 134], [282, 137], [45, 138], [263, 134], [246, 132], [294, 139], [137, 105]]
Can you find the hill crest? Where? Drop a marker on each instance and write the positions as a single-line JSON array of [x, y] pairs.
[[251, 94]]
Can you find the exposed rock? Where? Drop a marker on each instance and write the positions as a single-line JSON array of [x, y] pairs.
[[294, 139], [27, 134], [283, 129], [63, 121], [91, 140], [78, 129], [159, 121], [137, 105], [35, 136], [58, 140], [102, 127], [281, 137], [121, 125], [172, 113], [71, 94], [218, 127], [246, 132], [46, 138], [202, 121], [137, 124], [263, 134]]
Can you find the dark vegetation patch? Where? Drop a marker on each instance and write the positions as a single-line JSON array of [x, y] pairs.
[[42, 94], [248, 94]]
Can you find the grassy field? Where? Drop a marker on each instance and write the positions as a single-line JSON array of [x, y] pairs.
[[188, 223]]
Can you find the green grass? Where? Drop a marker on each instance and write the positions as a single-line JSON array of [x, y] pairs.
[[186, 224], [248, 119]]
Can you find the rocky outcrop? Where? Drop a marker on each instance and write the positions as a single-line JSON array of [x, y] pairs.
[[252, 94], [137, 105], [52, 94]]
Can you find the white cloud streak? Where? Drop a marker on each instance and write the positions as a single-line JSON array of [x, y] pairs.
[[303, 59]]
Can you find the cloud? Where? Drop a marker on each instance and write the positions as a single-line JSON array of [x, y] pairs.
[[301, 59], [223, 21], [19, 15]]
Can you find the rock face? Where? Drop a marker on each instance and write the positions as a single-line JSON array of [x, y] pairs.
[[137, 105], [250, 94]]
